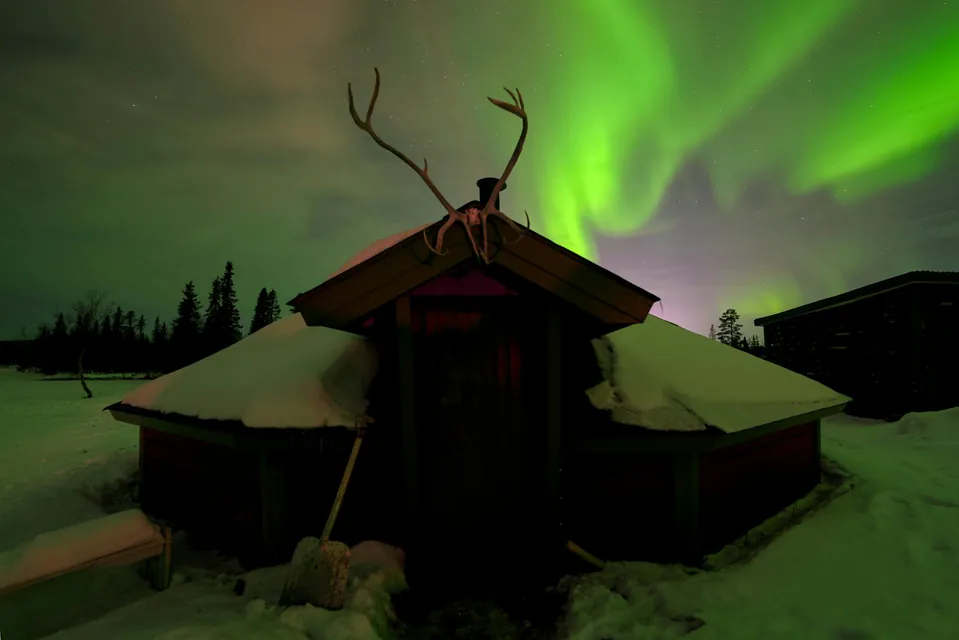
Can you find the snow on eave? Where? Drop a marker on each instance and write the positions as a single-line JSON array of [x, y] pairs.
[[660, 376], [286, 375]]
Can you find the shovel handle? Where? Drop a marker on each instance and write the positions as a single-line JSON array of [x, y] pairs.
[[331, 520]]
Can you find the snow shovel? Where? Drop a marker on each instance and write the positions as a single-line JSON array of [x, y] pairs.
[[319, 570]]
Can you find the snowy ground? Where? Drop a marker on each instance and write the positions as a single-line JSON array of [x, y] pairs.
[[880, 562]]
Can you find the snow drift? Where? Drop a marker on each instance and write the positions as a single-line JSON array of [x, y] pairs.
[[660, 376], [284, 375]]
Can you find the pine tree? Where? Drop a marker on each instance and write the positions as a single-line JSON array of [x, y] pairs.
[[185, 337], [754, 343], [730, 331], [212, 329], [274, 307], [159, 331], [141, 328], [261, 312], [712, 332], [230, 314]]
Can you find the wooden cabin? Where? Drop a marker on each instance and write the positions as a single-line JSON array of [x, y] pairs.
[[892, 345], [486, 454]]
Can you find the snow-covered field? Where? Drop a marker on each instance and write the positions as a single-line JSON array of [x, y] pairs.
[[879, 562]]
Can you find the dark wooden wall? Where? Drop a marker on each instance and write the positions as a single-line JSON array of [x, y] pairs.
[[210, 490], [861, 349], [889, 352], [936, 351], [258, 499]]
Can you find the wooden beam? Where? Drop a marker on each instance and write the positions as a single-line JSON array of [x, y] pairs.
[[554, 403], [643, 442], [274, 507], [817, 452], [578, 272], [175, 428], [686, 507], [367, 297], [407, 389], [559, 287]]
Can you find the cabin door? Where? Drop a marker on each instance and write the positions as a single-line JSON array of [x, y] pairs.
[[480, 413]]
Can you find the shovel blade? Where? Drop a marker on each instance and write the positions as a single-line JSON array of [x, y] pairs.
[[318, 574]]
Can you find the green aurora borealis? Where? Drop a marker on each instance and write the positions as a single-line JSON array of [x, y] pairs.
[[647, 79], [744, 153]]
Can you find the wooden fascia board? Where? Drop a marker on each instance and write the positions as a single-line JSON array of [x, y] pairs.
[[386, 289], [577, 297], [669, 443], [174, 428], [582, 274]]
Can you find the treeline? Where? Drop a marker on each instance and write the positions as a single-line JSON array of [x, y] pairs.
[[96, 336], [731, 333]]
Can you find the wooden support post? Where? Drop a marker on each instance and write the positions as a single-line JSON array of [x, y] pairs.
[[686, 490], [276, 534], [554, 423], [143, 497], [407, 389], [817, 451]]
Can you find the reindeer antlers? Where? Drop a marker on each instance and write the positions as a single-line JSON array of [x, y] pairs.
[[489, 208], [367, 126]]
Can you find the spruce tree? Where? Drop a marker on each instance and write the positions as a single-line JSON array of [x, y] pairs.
[[712, 332], [184, 338], [141, 328], [261, 312], [232, 330], [730, 331], [274, 307], [212, 332]]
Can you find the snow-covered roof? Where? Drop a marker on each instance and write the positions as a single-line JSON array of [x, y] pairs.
[[284, 375], [663, 377], [378, 247]]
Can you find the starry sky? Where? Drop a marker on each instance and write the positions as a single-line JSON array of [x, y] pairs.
[[719, 153]]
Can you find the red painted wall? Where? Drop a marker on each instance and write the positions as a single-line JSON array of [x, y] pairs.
[[742, 485]]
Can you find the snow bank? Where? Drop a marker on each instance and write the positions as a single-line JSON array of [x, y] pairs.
[[59, 551], [284, 375], [661, 376], [211, 608]]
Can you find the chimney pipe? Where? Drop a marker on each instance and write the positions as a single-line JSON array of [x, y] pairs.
[[486, 186]]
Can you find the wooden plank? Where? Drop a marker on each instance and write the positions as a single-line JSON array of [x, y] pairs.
[[580, 273], [155, 547], [686, 513], [565, 290], [382, 278], [367, 297], [817, 451], [274, 506], [407, 389], [175, 428], [554, 403]]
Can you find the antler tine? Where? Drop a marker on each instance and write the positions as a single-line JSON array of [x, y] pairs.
[[517, 108], [367, 126]]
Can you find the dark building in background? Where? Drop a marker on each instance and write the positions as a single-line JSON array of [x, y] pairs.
[[891, 346]]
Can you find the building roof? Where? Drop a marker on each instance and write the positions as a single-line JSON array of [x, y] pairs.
[[290, 376], [663, 377], [395, 265], [876, 288], [285, 375]]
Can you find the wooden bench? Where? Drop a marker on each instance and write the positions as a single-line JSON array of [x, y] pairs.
[[119, 539]]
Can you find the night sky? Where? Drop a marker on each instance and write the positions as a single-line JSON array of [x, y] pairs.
[[753, 154]]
